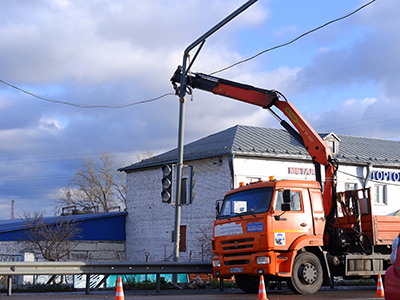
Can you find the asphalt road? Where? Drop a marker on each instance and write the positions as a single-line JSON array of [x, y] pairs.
[[341, 292]]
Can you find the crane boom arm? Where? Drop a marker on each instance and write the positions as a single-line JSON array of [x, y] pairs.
[[314, 144], [316, 147]]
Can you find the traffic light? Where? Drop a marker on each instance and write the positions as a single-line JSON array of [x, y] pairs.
[[166, 194]]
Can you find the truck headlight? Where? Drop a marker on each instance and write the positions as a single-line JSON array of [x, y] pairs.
[[216, 263], [263, 260]]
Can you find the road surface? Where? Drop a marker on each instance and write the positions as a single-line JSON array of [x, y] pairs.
[[341, 292]]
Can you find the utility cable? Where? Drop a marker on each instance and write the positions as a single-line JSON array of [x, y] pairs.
[[218, 71], [371, 180], [86, 106], [293, 40]]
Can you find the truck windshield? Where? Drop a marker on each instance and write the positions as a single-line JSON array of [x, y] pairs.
[[247, 202]]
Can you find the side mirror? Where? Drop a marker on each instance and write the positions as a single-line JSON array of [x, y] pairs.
[[286, 201], [217, 208], [285, 207], [286, 196]]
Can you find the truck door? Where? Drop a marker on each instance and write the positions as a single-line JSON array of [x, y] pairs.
[[317, 211], [288, 226]]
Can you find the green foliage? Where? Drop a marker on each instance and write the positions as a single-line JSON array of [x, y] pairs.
[[145, 285], [227, 283]]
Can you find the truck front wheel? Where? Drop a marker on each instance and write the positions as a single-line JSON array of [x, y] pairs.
[[307, 275], [249, 284]]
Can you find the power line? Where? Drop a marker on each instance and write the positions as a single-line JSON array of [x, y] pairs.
[[85, 106], [371, 180], [171, 94], [35, 178], [361, 121], [367, 124], [73, 157], [293, 40]]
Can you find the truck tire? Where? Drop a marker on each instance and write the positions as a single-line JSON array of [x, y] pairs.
[[307, 275], [249, 284]]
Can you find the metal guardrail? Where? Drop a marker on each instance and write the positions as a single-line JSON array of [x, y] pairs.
[[107, 268]]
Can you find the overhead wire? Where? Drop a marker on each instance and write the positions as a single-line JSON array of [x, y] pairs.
[[215, 72], [361, 122], [167, 94], [293, 40], [172, 93], [362, 178], [82, 105]]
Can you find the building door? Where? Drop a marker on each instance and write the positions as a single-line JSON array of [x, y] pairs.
[[182, 238]]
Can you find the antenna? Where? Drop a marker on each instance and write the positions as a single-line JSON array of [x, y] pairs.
[[68, 202], [12, 209]]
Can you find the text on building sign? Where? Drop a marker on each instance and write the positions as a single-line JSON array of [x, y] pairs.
[[301, 171], [385, 175]]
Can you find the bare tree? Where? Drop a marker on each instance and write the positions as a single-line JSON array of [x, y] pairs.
[[95, 187], [53, 241], [120, 186], [144, 155], [204, 239]]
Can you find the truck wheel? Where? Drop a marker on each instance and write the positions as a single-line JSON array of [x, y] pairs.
[[249, 284], [307, 274]]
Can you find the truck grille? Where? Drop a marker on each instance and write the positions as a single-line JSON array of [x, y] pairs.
[[238, 244], [239, 254], [237, 262], [237, 251]]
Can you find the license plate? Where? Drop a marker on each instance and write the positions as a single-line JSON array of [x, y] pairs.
[[237, 270]]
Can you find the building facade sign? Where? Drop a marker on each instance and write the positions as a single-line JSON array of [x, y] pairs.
[[301, 171], [385, 175]]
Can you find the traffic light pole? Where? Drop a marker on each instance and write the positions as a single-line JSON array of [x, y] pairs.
[[182, 100]]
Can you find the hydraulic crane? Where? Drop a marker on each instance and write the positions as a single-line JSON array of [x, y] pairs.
[[305, 134]]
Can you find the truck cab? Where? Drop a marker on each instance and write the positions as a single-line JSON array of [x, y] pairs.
[[261, 227]]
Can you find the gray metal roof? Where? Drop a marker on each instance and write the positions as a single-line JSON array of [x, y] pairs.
[[19, 224], [273, 142]]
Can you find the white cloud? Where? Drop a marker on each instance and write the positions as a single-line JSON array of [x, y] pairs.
[[52, 124], [360, 104], [97, 41], [115, 51]]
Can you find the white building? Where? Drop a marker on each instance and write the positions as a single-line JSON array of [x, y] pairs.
[[244, 154]]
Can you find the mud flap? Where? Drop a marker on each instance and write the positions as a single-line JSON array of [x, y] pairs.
[[328, 280]]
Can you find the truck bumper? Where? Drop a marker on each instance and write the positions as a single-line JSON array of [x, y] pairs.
[[265, 263]]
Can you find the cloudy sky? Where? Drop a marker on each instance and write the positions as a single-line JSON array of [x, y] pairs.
[[343, 78]]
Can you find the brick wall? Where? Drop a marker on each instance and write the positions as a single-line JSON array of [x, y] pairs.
[[150, 222]]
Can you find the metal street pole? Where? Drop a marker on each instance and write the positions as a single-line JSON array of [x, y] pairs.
[[182, 100]]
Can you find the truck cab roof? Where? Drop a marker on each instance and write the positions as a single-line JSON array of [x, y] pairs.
[[278, 184]]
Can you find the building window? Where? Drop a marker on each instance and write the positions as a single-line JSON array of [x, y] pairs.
[[350, 186], [332, 145], [333, 142], [182, 238], [380, 194]]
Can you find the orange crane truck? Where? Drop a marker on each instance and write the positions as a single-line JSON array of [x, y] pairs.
[[299, 231]]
